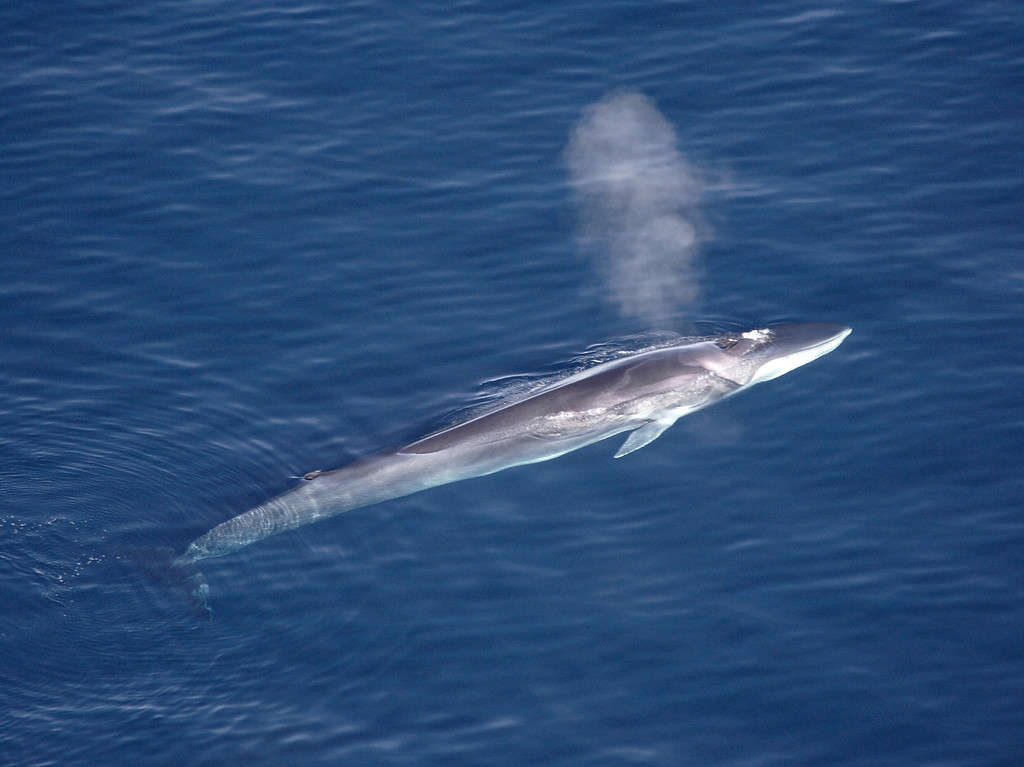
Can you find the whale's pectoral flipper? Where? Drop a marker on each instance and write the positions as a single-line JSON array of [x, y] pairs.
[[645, 435]]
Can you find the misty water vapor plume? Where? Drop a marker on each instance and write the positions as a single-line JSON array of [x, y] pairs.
[[636, 198]]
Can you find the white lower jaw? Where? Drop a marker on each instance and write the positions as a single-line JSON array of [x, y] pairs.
[[782, 365]]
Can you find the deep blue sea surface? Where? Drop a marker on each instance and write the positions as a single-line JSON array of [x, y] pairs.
[[243, 240]]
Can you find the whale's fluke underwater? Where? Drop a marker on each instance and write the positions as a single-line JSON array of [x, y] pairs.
[[642, 394]]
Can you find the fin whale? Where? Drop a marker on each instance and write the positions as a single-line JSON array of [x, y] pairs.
[[642, 394]]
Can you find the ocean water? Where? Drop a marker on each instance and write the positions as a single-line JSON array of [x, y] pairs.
[[242, 241]]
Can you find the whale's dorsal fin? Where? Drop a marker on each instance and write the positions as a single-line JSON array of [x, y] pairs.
[[645, 435]]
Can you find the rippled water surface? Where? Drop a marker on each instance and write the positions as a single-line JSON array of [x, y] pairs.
[[242, 241]]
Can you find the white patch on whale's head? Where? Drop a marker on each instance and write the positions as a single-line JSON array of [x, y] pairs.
[[763, 334]]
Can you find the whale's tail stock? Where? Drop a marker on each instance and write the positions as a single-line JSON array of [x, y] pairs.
[[164, 568]]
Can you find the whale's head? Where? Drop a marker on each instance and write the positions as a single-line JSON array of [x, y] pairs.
[[766, 353]]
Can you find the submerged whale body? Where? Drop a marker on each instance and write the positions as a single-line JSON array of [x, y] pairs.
[[642, 394]]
